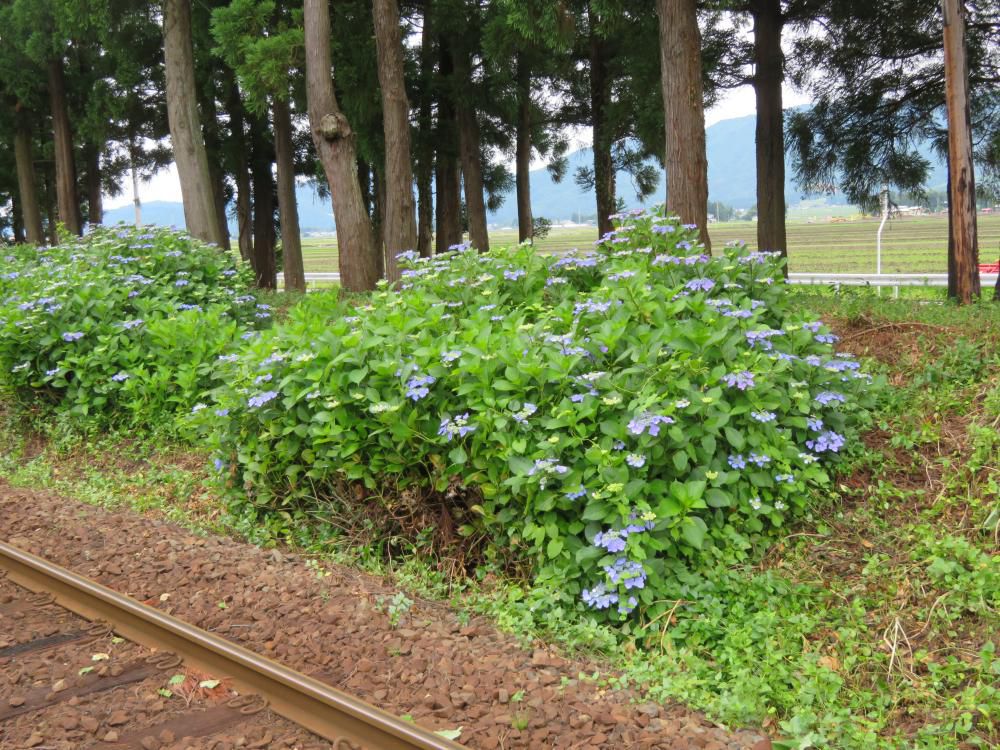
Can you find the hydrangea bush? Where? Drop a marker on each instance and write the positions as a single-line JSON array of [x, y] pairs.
[[121, 322], [619, 417]]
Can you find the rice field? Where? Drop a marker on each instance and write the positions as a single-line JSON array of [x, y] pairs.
[[909, 244]]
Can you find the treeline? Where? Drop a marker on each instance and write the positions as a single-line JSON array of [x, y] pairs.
[[410, 111]]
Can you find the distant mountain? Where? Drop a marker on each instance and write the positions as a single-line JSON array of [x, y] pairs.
[[731, 180], [315, 213]]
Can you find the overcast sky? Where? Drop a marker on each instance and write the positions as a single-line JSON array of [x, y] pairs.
[[736, 103]]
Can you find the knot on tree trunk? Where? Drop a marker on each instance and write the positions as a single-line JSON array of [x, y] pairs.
[[334, 127]]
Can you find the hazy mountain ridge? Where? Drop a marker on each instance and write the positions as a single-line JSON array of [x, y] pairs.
[[731, 180]]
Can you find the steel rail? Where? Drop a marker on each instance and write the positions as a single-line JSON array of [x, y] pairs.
[[311, 704]]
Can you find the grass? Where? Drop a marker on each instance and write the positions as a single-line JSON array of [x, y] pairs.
[[909, 244], [873, 624]]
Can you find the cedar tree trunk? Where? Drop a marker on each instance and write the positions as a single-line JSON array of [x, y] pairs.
[[525, 221], [400, 226], [200, 210], [768, 60], [30, 211], [334, 141], [600, 97], [686, 162], [472, 161], [963, 250], [238, 135], [263, 259], [448, 206], [66, 194], [95, 202], [425, 145], [288, 210]]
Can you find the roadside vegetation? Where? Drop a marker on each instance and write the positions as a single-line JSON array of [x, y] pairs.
[[863, 613]]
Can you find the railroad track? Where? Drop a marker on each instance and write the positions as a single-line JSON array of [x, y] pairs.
[[159, 646]]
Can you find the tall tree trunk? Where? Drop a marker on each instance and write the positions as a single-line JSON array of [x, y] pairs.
[[768, 60], [133, 154], [17, 219], [522, 158], [200, 210], [687, 164], [425, 147], [334, 141], [448, 203], [470, 151], [30, 212], [50, 205], [379, 197], [213, 150], [95, 202], [963, 241], [600, 97], [66, 193], [400, 225], [291, 237], [263, 259], [238, 135]]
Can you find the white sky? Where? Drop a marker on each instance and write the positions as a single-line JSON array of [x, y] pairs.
[[165, 186]]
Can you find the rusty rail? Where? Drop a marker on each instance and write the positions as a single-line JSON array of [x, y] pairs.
[[311, 704]]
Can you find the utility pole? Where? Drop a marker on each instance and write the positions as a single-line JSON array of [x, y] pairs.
[[962, 242]]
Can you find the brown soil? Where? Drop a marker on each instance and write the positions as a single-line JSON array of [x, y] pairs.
[[335, 624]]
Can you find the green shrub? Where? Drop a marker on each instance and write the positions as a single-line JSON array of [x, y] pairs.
[[617, 418], [123, 323]]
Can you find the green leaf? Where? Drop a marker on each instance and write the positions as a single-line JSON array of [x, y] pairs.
[[458, 455], [555, 546], [735, 438], [177, 679], [449, 734], [693, 531]]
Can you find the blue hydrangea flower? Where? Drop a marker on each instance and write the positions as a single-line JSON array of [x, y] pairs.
[[761, 459], [648, 422], [599, 597], [72, 336], [741, 380], [786, 478], [416, 386], [737, 461], [451, 356], [828, 397], [452, 426], [120, 377], [815, 424], [826, 441], [700, 285], [764, 416], [262, 398], [521, 417], [577, 494], [612, 541], [635, 460]]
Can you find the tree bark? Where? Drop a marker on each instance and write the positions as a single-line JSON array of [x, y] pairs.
[[66, 194], [30, 211], [291, 236], [448, 204], [425, 147], [200, 213], [334, 141], [686, 162], [963, 248], [17, 219], [263, 259], [238, 135], [213, 151], [522, 158], [470, 151], [51, 200], [600, 97], [379, 196], [400, 225], [95, 201], [767, 25]]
